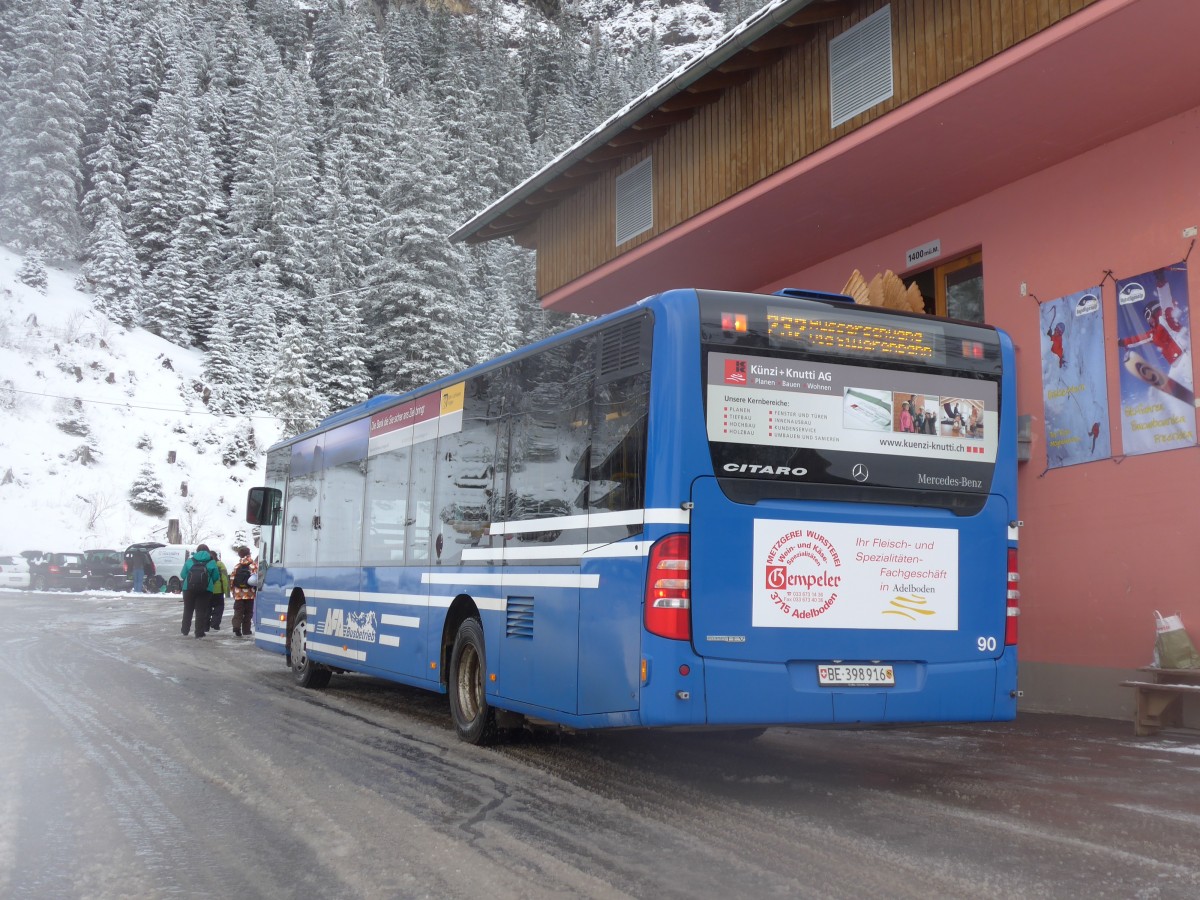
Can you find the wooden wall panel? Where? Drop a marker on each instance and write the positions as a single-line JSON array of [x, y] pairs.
[[778, 117]]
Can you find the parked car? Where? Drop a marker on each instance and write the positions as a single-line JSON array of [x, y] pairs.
[[14, 571], [105, 570], [58, 571]]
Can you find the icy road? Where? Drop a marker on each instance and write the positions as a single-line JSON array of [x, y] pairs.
[[137, 763]]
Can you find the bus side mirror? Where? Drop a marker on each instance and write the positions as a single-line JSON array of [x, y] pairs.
[[263, 506]]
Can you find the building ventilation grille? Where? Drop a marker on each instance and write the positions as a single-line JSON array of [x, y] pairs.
[[860, 67], [625, 348], [635, 201], [519, 621]]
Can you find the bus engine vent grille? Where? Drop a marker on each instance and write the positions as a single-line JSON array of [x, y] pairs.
[[519, 618], [625, 349]]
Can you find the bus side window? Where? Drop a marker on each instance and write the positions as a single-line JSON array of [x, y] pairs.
[[343, 481], [274, 536], [550, 437], [466, 464], [420, 533], [303, 500], [387, 507], [618, 471]]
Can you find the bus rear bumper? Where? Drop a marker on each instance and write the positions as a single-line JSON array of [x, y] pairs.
[[788, 693]]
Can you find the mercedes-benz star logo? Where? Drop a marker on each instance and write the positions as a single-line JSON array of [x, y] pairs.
[[859, 472]]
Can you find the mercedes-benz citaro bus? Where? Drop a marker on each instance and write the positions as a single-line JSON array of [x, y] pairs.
[[710, 509]]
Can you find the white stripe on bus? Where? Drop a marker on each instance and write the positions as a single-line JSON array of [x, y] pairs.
[[562, 551], [518, 579], [389, 640], [332, 650], [270, 638], [658, 516], [402, 621], [421, 600]]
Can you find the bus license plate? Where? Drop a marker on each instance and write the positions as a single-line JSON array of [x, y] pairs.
[[856, 676]]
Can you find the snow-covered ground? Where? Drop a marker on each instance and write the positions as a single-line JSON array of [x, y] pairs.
[[74, 384]]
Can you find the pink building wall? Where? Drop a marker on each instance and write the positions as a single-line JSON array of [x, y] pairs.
[[1105, 543]]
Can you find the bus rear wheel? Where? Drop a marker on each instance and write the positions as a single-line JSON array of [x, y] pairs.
[[474, 719], [306, 673]]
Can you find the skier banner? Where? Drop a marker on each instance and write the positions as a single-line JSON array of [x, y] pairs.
[[1074, 389], [1158, 404]]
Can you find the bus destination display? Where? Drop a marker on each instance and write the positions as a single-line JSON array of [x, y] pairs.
[[828, 333]]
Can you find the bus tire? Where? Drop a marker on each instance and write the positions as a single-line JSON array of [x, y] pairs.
[[474, 719], [305, 672]]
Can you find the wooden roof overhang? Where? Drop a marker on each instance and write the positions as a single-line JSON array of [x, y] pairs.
[[757, 42], [1109, 70]]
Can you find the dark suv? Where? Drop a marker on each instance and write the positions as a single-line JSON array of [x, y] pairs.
[[105, 570], [56, 571]]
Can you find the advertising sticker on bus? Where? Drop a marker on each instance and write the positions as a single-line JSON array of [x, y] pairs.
[[833, 575]]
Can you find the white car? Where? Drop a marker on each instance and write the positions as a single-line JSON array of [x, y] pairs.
[[14, 572]]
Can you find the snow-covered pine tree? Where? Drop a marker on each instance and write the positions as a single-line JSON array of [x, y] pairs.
[[290, 393], [272, 203], [111, 269], [146, 494], [283, 21], [336, 326], [223, 371], [175, 212], [163, 189], [105, 41], [43, 110], [737, 11], [418, 290], [108, 187], [405, 39], [348, 215], [352, 81], [33, 269]]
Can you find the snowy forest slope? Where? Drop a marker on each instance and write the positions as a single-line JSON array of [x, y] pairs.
[[255, 183]]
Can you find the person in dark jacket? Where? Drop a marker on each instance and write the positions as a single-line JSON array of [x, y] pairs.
[[197, 589], [139, 564]]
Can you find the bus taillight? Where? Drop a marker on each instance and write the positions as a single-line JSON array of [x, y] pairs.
[[1014, 598], [669, 588]]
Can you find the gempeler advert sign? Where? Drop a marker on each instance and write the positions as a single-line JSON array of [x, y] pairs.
[[837, 575]]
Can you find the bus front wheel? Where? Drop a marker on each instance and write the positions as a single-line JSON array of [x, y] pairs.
[[306, 673], [474, 719]]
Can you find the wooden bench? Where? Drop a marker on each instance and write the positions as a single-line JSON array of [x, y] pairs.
[[1158, 704]]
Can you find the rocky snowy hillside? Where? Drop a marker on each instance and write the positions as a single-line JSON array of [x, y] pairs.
[[89, 410]]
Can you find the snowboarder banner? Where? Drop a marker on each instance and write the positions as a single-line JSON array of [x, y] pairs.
[[1074, 389], [1158, 409]]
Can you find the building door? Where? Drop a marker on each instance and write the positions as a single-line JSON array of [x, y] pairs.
[[954, 288]]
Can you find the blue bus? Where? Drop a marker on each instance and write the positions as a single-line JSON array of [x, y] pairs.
[[708, 510]]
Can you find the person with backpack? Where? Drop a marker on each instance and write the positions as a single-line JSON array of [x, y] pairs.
[[216, 605], [199, 577], [245, 579]]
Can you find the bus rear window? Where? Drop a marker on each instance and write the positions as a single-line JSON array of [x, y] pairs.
[[828, 403]]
